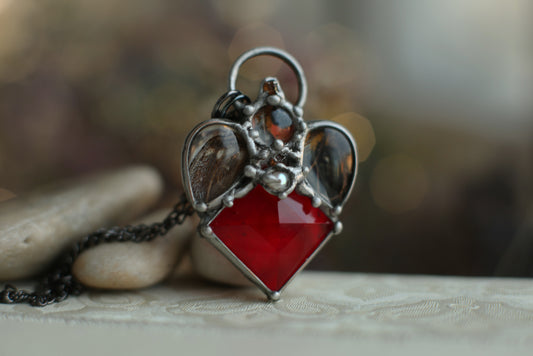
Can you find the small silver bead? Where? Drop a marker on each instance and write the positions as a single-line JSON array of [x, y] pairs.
[[250, 171], [337, 210], [207, 231], [248, 110], [316, 202], [274, 296], [278, 145], [228, 201], [273, 99], [201, 207], [338, 228]]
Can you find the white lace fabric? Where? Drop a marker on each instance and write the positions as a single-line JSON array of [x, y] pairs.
[[343, 310]]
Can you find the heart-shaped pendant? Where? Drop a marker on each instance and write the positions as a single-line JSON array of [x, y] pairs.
[[268, 186]]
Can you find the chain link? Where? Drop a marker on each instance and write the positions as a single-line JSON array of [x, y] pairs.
[[59, 283]]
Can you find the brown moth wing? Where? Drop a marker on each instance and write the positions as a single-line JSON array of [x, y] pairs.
[[331, 155], [215, 161]]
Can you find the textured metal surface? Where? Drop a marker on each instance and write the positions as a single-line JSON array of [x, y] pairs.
[[275, 52], [275, 133]]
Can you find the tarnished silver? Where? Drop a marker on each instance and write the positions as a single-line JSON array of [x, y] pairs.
[[275, 52], [259, 152], [273, 163]]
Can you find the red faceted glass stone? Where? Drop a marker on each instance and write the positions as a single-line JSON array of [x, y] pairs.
[[273, 237]]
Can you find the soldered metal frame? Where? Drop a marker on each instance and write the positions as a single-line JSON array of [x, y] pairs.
[[260, 169]]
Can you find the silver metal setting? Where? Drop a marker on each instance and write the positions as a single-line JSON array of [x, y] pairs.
[[285, 57], [275, 165]]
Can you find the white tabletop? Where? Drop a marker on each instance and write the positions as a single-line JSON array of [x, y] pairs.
[[320, 313]]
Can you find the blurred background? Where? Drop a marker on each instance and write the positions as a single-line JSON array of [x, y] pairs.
[[438, 95]]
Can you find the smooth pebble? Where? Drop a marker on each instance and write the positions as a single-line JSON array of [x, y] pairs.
[[130, 265], [35, 229]]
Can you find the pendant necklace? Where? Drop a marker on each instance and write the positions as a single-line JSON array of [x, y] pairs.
[[268, 187]]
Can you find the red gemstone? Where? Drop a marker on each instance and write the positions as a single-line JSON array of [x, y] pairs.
[[273, 237]]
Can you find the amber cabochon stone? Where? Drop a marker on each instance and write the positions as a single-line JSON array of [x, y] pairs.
[[273, 124]]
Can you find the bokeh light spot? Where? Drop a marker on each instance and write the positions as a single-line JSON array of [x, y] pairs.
[[4, 4]]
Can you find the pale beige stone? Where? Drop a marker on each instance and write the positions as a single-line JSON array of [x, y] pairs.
[[209, 263], [129, 265], [35, 229]]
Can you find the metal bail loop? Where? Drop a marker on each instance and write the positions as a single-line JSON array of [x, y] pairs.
[[274, 52]]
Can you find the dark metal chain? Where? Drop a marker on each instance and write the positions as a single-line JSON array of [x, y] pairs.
[[59, 283]]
